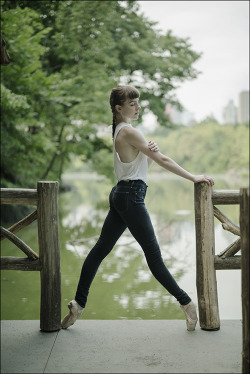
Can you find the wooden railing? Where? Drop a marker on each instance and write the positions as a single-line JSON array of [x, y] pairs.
[[207, 262], [45, 197], [245, 277]]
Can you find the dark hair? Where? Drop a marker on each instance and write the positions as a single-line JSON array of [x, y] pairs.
[[118, 96]]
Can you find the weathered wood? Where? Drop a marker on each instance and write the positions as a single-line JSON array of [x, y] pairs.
[[19, 243], [245, 277], [19, 263], [18, 196], [227, 263], [223, 197], [49, 253], [205, 249], [226, 223], [231, 250], [21, 224]]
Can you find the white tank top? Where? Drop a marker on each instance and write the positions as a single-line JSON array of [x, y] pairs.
[[136, 169]]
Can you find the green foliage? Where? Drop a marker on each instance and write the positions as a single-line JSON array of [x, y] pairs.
[[65, 58], [102, 162], [209, 148], [23, 90]]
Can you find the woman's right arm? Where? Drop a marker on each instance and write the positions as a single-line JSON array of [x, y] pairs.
[[136, 139]]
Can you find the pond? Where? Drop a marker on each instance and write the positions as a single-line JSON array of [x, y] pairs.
[[124, 288]]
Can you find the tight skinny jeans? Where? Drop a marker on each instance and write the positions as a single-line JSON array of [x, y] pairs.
[[127, 210]]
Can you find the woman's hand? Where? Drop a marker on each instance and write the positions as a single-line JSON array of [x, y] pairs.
[[203, 178], [153, 146]]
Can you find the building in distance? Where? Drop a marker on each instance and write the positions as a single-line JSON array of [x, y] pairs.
[[243, 108], [177, 117], [230, 113]]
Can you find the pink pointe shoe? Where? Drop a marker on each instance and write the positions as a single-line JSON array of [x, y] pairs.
[[191, 316], [75, 310]]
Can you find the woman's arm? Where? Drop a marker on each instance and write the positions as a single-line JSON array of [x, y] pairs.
[[136, 139]]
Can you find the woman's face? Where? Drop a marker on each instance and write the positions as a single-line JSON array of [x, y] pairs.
[[130, 109]]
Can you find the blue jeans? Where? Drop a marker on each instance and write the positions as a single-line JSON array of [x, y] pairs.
[[127, 210]]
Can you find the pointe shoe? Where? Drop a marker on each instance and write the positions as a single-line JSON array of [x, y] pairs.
[[191, 316], [75, 310]]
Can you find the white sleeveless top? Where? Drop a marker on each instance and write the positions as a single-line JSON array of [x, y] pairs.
[[136, 169]]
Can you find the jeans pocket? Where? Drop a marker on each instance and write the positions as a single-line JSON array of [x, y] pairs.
[[121, 200], [139, 196], [111, 196]]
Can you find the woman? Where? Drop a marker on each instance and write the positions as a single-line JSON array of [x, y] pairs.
[[132, 156]]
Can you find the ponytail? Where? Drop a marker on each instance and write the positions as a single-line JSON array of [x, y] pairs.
[[113, 125]]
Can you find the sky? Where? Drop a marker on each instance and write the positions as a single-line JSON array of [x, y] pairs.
[[218, 29]]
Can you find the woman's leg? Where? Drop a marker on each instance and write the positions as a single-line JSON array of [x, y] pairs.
[[140, 226], [112, 229]]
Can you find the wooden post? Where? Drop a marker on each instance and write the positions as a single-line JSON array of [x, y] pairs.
[[205, 250], [245, 277], [49, 254]]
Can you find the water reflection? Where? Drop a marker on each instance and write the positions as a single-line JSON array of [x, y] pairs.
[[123, 288], [132, 292]]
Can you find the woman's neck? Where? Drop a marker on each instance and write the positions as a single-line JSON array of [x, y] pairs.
[[121, 119], [123, 122]]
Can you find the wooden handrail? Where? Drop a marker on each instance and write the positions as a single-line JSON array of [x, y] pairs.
[[231, 249], [20, 263], [233, 262], [19, 243], [21, 224], [205, 251], [49, 254], [48, 262], [207, 262], [18, 196], [225, 197], [226, 223], [245, 276]]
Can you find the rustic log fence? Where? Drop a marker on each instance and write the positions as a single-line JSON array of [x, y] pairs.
[[207, 262], [245, 277], [45, 197]]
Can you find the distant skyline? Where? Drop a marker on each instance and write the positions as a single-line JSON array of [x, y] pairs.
[[218, 29]]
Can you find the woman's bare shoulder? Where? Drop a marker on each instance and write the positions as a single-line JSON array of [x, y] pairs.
[[128, 131]]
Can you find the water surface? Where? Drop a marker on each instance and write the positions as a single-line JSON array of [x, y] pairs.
[[123, 288]]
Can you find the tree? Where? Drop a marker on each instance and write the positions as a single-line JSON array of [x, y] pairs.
[[67, 55], [24, 91], [207, 147]]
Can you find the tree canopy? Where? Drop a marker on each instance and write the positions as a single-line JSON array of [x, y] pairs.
[[66, 56]]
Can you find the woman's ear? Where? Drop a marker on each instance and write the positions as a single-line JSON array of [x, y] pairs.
[[118, 108]]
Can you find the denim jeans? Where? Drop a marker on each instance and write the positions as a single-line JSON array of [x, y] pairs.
[[127, 210]]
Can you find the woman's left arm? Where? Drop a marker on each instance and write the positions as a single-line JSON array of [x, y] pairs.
[[136, 139]]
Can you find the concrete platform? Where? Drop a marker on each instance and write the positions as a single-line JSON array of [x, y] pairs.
[[121, 346]]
